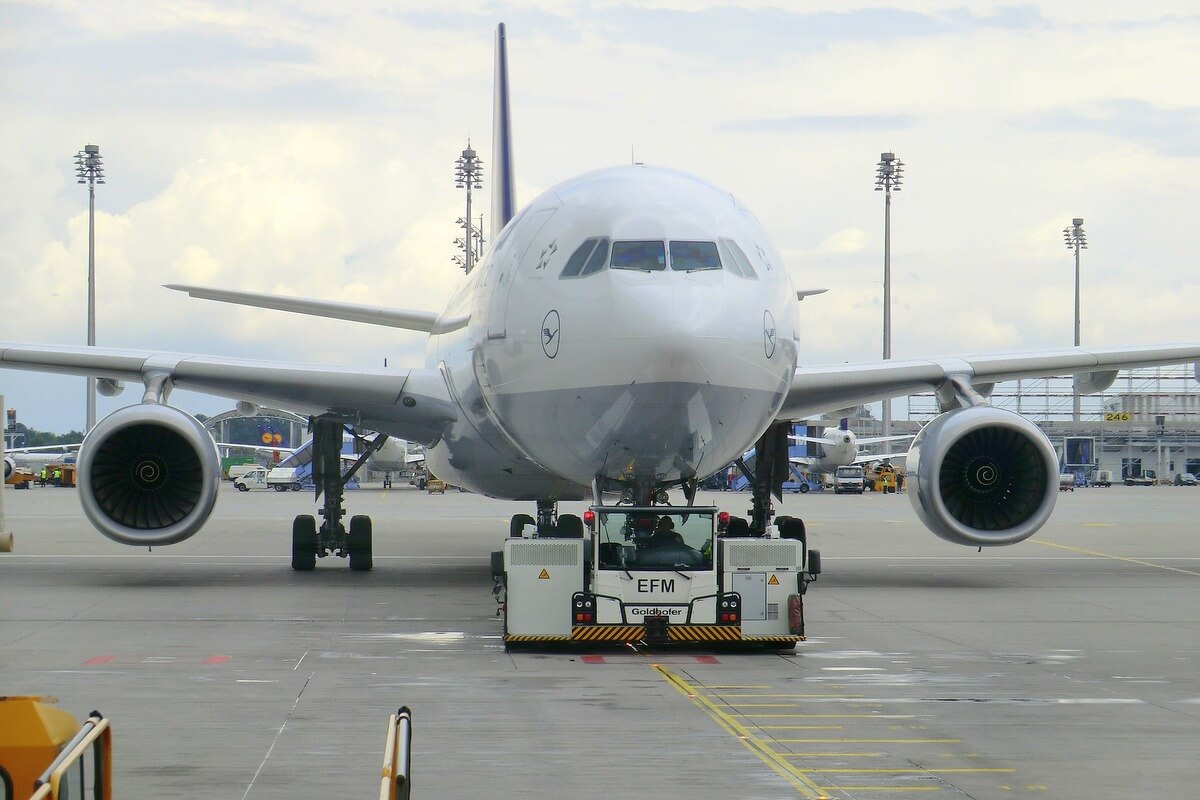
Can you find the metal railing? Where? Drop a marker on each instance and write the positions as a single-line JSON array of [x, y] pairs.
[[396, 776], [95, 737]]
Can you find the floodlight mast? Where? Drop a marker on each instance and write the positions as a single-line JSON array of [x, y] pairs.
[[89, 169], [1075, 239], [889, 174], [468, 174]]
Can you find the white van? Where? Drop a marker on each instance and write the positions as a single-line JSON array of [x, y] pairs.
[[255, 478], [238, 470]]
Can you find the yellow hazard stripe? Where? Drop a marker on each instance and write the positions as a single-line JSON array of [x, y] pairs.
[[704, 633], [608, 633], [529, 637], [773, 639]]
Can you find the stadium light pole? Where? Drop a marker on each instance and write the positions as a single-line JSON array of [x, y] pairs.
[[468, 174], [1076, 240], [89, 169], [889, 173]]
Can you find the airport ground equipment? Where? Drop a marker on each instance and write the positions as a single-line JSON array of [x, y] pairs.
[[1148, 478], [396, 775], [655, 575], [20, 478], [848, 480], [1066, 482], [44, 750]]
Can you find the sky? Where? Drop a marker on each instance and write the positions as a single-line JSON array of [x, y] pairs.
[[308, 148]]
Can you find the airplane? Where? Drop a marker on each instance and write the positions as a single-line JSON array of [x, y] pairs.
[[841, 447], [35, 458], [631, 330], [392, 456]]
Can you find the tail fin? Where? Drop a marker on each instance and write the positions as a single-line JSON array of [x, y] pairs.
[[844, 424], [503, 193]]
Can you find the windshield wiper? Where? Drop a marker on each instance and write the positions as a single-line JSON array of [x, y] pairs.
[[684, 574]]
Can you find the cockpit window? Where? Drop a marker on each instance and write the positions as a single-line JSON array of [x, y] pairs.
[[690, 256], [598, 260], [737, 261], [578, 259], [647, 256], [591, 256]]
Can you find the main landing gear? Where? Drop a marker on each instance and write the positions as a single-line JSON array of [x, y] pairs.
[[310, 542]]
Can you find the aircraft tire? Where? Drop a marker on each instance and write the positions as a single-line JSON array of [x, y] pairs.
[[304, 543], [359, 543]]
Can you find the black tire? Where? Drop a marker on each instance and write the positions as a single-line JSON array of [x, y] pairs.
[[296, 487], [281, 487], [804, 488], [304, 543], [358, 543], [241, 487], [516, 525]]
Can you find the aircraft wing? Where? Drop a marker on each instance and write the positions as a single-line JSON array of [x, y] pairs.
[[816, 389], [880, 457], [411, 403], [45, 448]]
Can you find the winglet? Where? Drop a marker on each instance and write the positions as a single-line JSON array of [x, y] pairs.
[[503, 191]]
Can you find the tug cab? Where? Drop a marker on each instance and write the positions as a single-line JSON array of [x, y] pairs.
[[657, 574]]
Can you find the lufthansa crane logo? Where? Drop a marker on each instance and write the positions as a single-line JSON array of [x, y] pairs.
[[768, 334], [550, 334]]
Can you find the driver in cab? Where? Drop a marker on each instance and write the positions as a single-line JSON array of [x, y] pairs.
[[665, 534]]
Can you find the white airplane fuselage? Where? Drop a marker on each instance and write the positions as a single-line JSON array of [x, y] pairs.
[[839, 448], [624, 374]]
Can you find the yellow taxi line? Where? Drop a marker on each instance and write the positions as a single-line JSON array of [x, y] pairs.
[[1114, 557], [761, 749]]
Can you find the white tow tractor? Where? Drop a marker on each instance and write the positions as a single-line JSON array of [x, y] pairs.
[[656, 574]]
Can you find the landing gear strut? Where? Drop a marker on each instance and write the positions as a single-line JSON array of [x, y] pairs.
[[310, 542], [769, 473]]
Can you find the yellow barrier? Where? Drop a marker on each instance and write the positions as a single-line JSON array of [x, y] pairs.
[[59, 780], [395, 777]]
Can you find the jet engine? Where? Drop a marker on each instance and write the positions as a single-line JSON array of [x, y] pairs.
[[10, 467], [148, 475], [981, 476]]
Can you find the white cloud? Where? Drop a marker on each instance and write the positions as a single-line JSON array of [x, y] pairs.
[[291, 148]]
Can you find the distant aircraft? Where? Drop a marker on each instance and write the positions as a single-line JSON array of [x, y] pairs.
[[840, 447], [631, 330], [34, 459]]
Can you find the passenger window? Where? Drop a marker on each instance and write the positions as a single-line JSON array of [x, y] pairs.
[[691, 256], [598, 260], [740, 258], [578, 259], [647, 256]]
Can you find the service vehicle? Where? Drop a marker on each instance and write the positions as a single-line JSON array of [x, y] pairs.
[[238, 470], [1102, 477], [252, 479], [848, 479], [281, 479], [1066, 482], [435, 486], [656, 575], [1185, 479], [20, 478], [1148, 478]]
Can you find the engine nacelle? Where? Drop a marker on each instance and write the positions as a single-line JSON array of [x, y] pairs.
[[981, 476], [148, 475], [10, 467]]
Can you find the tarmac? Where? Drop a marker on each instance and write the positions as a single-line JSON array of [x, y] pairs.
[[1066, 666]]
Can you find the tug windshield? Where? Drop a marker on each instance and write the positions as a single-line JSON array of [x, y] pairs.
[[655, 539]]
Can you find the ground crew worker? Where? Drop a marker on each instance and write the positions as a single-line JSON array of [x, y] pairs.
[[58, 477], [43, 476]]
